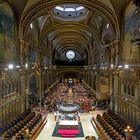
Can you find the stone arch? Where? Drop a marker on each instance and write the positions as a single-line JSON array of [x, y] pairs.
[[33, 89], [133, 89], [125, 88], [33, 79], [129, 88]]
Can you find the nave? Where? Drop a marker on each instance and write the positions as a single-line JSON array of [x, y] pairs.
[[83, 55]]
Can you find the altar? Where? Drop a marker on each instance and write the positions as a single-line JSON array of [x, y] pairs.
[[67, 122], [67, 112], [68, 125]]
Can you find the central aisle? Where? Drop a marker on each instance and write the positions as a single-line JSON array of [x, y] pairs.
[[47, 131]]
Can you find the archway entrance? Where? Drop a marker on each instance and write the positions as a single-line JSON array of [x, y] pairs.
[[33, 97]]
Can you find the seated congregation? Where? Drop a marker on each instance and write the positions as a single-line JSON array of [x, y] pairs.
[[59, 95]]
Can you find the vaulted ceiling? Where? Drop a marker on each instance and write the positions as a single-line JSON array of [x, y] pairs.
[[84, 31]]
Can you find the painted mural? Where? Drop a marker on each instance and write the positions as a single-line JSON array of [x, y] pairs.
[[7, 46], [130, 50]]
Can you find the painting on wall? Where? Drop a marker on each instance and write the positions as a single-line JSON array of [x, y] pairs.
[[131, 31], [7, 45]]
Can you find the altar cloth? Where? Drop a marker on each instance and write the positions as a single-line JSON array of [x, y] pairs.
[[68, 122]]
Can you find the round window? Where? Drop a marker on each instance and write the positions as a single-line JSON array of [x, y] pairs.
[[70, 54]]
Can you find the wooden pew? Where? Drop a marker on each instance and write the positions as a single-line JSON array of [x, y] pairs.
[[98, 130], [38, 129]]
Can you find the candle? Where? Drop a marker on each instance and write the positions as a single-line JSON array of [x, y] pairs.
[[27, 131]]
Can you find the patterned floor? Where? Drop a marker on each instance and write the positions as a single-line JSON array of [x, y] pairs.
[[85, 119]]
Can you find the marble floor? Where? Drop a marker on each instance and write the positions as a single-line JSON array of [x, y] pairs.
[[85, 119]]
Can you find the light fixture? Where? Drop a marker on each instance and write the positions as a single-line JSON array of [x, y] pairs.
[[128, 129], [111, 65], [17, 66], [120, 66], [33, 67], [126, 66], [31, 25], [6, 69], [26, 65], [107, 26], [10, 66]]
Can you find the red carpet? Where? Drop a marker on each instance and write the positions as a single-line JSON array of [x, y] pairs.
[[68, 132]]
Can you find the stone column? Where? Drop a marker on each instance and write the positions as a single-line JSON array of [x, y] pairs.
[[134, 115], [1, 116], [139, 95], [20, 51], [112, 92], [40, 85], [86, 73], [26, 52], [22, 88]]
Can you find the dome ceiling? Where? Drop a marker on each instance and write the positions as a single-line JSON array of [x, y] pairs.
[[69, 12]]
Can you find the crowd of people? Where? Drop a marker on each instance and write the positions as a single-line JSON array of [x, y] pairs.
[[66, 116], [59, 95]]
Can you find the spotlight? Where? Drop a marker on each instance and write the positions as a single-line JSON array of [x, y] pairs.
[[18, 66], [126, 66], [10, 66], [111, 65], [26, 65], [107, 26], [31, 25]]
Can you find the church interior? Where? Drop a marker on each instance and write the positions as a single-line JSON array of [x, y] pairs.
[[69, 69]]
